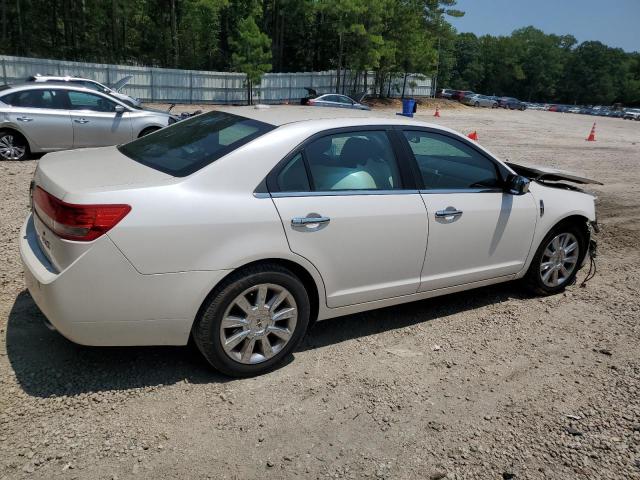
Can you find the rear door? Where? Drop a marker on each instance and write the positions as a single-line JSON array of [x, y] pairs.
[[477, 230], [348, 206], [96, 122], [42, 116]]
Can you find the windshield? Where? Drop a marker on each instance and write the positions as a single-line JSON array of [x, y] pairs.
[[192, 144]]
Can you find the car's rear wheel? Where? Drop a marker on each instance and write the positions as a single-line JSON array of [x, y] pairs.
[[147, 131], [477, 104], [253, 321], [557, 260], [13, 146]]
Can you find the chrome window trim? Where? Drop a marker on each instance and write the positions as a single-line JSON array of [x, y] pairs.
[[336, 193], [461, 190]]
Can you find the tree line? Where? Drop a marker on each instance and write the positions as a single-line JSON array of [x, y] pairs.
[[377, 39]]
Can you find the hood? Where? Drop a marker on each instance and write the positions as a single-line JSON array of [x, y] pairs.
[[121, 83], [534, 172]]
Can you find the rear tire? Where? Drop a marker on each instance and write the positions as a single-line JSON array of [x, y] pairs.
[[13, 146], [476, 104], [557, 261], [252, 322]]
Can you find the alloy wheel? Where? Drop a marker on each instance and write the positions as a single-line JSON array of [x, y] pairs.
[[10, 148], [258, 323], [559, 259]]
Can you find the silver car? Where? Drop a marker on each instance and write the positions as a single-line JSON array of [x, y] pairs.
[[337, 101], [478, 100], [114, 91], [45, 117]]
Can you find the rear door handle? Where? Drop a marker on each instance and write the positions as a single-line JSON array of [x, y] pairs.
[[81, 120], [449, 212], [24, 119], [309, 220]]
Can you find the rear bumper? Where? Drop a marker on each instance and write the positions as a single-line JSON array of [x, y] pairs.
[[100, 299]]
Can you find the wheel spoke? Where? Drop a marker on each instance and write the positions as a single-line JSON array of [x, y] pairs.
[[547, 274], [261, 299], [545, 265], [234, 322], [247, 350], [233, 341], [554, 277], [277, 300], [571, 260], [564, 271], [570, 248], [267, 349], [243, 304], [284, 314], [282, 333]]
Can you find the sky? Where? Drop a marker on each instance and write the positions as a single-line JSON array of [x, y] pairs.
[[613, 22]]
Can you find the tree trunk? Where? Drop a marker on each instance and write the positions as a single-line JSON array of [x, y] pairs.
[[404, 85], [174, 34], [20, 42], [339, 63], [4, 22]]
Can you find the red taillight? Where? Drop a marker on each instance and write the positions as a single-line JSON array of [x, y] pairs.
[[311, 102], [76, 222]]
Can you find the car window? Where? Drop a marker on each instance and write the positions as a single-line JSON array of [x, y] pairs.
[[447, 163], [187, 146], [89, 101], [353, 161], [35, 99], [293, 177], [329, 98], [84, 83], [343, 99]]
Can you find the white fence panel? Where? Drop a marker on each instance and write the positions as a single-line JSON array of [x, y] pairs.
[[192, 86]]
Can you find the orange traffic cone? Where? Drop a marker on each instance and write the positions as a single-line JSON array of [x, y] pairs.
[[437, 114], [473, 135], [592, 135]]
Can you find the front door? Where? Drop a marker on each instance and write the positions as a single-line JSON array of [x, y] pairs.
[[96, 122], [477, 231], [344, 208]]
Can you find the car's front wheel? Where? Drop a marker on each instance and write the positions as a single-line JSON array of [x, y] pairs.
[[557, 260], [13, 146], [253, 321]]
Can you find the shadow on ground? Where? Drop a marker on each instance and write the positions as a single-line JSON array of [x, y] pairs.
[[46, 364]]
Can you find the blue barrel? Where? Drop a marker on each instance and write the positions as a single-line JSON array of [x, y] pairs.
[[408, 107]]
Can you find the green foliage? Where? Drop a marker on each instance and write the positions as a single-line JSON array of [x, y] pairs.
[[388, 37], [251, 50]]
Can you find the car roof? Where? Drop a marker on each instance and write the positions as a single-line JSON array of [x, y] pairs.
[[48, 85], [323, 118], [61, 78]]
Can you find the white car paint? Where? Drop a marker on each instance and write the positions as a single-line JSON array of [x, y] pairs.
[[143, 282]]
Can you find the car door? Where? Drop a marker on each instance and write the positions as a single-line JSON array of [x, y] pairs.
[[42, 116], [96, 122], [348, 206], [477, 230]]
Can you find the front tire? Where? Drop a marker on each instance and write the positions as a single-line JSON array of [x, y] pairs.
[[13, 146], [557, 260], [253, 321], [147, 131]]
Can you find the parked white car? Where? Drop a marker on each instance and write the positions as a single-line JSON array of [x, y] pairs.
[[241, 231]]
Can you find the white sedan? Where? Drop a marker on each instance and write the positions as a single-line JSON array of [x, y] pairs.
[[242, 230]]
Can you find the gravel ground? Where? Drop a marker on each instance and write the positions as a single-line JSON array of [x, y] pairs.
[[485, 384]]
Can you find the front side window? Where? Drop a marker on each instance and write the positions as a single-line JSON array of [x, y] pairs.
[[353, 161], [447, 163], [89, 101], [187, 146], [345, 100]]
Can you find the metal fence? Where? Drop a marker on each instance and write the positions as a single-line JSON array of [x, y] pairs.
[[152, 84]]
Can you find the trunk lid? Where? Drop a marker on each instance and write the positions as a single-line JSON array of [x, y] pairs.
[[120, 84]]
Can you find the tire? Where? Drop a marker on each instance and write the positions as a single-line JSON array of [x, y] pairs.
[[13, 146], [476, 104], [147, 131], [535, 276], [245, 332]]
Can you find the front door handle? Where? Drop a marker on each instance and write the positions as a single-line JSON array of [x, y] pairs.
[[24, 119], [81, 120], [449, 213], [310, 220]]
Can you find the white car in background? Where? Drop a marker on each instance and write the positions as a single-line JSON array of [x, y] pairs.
[[114, 91], [242, 229]]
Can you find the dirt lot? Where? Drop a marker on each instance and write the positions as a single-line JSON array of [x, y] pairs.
[[485, 384]]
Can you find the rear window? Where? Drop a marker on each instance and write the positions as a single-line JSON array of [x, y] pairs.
[[189, 145]]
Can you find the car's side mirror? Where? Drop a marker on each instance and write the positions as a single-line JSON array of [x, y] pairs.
[[518, 185], [120, 109]]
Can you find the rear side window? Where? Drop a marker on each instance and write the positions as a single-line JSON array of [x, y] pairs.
[[32, 99], [187, 146], [293, 177]]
